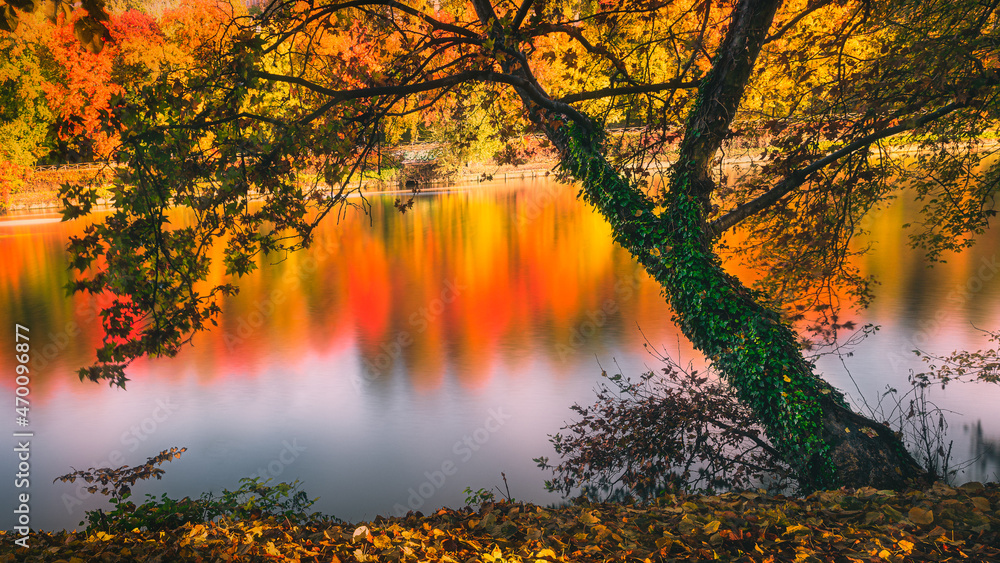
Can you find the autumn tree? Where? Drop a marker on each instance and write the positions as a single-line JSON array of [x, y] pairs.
[[90, 28], [24, 113], [818, 92]]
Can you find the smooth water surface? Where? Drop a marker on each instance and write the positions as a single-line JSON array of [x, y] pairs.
[[404, 358]]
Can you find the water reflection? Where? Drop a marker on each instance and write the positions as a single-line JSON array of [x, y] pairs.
[[368, 362]]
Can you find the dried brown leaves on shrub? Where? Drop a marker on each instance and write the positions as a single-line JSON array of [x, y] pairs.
[[677, 430]]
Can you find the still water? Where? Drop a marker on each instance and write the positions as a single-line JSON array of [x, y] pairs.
[[404, 358]]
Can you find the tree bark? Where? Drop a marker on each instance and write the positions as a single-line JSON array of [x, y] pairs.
[[805, 418]]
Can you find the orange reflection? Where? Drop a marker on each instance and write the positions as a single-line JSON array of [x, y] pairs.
[[466, 285]]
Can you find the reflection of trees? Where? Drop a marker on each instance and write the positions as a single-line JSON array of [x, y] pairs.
[[985, 451]]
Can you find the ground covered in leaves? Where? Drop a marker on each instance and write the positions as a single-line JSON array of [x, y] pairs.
[[938, 524]]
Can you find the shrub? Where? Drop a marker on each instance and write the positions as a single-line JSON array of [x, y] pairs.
[[254, 499], [679, 430]]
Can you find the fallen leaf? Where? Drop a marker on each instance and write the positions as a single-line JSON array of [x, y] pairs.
[[921, 516]]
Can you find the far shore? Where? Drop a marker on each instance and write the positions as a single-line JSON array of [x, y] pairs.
[[43, 197]]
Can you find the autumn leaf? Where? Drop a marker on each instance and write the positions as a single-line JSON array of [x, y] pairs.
[[920, 515]]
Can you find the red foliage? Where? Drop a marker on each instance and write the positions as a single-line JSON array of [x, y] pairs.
[[88, 85], [133, 25], [83, 94]]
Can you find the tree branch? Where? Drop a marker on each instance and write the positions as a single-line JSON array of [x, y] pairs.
[[598, 49], [810, 8], [529, 88], [521, 13], [333, 8], [722, 90], [675, 84], [748, 435], [797, 178]]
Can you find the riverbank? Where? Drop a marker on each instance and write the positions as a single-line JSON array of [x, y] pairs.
[[41, 192], [937, 524]]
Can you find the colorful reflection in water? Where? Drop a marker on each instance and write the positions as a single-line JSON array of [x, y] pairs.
[[406, 357]]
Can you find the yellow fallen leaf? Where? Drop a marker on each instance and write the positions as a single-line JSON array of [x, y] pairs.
[[906, 546], [271, 550], [588, 518], [546, 553], [712, 527], [794, 528]]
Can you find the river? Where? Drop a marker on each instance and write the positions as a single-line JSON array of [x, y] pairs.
[[406, 357]]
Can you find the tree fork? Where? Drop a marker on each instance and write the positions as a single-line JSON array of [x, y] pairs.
[[808, 421]]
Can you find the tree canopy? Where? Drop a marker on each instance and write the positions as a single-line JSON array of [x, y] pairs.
[[91, 30], [266, 128]]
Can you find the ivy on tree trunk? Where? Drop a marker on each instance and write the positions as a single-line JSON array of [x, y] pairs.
[[756, 351]]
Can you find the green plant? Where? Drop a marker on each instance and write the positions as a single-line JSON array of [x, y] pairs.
[[483, 496], [257, 499], [254, 499], [117, 483]]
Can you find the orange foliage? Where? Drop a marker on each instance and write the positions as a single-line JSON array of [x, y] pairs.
[[196, 24], [84, 93], [88, 87], [12, 176]]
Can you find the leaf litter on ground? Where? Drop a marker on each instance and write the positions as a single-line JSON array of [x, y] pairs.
[[940, 523]]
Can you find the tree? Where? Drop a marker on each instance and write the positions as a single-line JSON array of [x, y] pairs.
[[90, 30], [24, 115], [825, 87]]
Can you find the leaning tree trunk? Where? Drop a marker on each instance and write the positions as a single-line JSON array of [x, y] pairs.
[[805, 418], [757, 353]]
